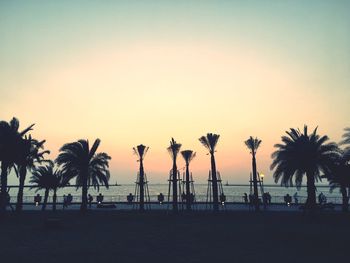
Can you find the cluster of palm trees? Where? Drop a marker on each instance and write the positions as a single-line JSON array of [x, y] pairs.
[[22, 153], [299, 155]]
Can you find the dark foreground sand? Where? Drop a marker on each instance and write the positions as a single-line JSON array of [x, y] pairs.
[[109, 236]]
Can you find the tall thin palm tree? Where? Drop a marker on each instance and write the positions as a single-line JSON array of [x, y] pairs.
[[209, 142], [188, 156], [11, 144], [253, 145], [45, 177], [140, 151], [79, 161], [303, 154], [30, 156], [173, 150]]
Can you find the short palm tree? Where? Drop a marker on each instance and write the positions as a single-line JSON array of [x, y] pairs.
[[46, 178], [30, 156], [11, 144], [303, 154], [253, 145], [78, 160], [339, 177], [209, 142], [173, 150], [188, 156], [140, 151]]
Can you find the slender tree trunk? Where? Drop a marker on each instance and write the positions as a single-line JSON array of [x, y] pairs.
[[3, 197], [311, 191], [142, 180], [45, 199], [255, 184], [54, 199], [214, 183], [83, 206], [345, 199], [175, 208], [22, 178], [188, 194]]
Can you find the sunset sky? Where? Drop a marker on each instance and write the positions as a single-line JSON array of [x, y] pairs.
[[132, 72]]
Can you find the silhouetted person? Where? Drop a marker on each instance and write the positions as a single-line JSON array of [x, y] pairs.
[[69, 199], [288, 199], [65, 202], [90, 199], [222, 199], [296, 198], [245, 198], [265, 199], [130, 198], [191, 198], [160, 198], [322, 199], [37, 200], [8, 199], [99, 198]]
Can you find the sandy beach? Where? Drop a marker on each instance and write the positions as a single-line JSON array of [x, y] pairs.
[[116, 236]]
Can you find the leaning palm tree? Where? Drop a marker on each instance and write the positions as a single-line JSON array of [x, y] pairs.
[[253, 145], [303, 154], [140, 151], [46, 178], [11, 144], [210, 141], [79, 161], [30, 156], [188, 156], [339, 177], [173, 150]]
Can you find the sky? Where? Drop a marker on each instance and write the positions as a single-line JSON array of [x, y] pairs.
[[132, 72]]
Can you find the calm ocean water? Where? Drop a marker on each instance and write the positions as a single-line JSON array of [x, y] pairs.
[[233, 193]]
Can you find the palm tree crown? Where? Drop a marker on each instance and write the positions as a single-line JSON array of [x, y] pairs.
[[188, 155], [174, 148], [253, 144], [210, 141], [300, 154]]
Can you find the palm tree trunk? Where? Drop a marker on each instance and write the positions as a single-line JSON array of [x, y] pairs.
[[214, 184], [255, 184], [22, 178], [54, 199], [345, 199], [142, 194], [311, 191], [83, 206], [3, 197], [45, 199], [175, 208], [188, 200]]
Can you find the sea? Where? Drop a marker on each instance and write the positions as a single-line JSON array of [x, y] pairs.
[[233, 193]]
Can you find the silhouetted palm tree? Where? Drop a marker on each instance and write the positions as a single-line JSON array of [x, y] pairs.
[[11, 144], [45, 177], [339, 177], [303, 154], [210, 142], [78, 161], [253, 145], [173, 150], [30, 155], [188, 156], [141, 151], [346, 142]]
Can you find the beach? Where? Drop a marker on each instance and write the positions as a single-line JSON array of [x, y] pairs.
[[158, 236]]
